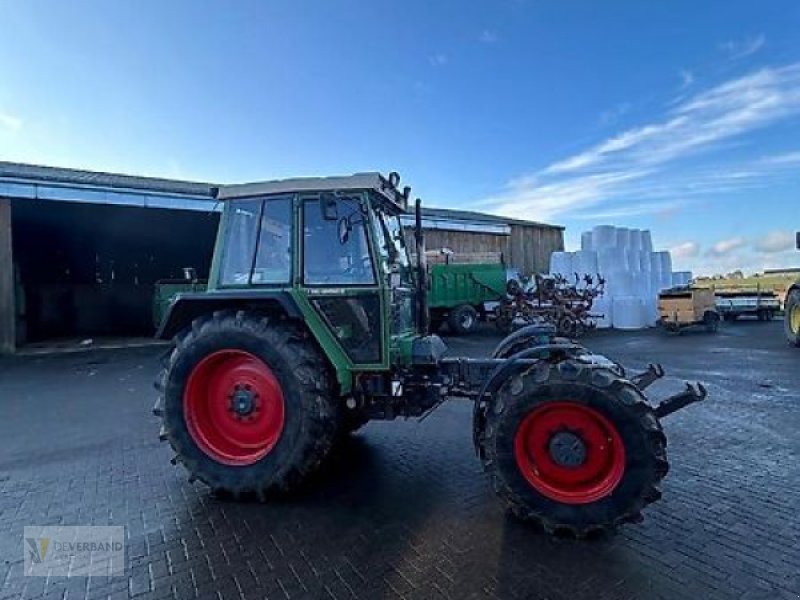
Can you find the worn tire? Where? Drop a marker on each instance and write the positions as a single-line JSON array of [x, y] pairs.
[[311, 410], [791, 320], [603, 391], [462, 319]]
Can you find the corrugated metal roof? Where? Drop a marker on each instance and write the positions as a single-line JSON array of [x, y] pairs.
[[9, 170], [18, 172], [471, 215]]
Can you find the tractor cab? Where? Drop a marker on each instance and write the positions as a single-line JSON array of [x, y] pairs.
[[330, 250]]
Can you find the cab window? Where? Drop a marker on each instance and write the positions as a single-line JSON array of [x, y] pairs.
[[257, 246], [335, 250]]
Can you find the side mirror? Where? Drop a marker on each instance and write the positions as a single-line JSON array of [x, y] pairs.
[[345, 227], [797, 241], [329, 207]]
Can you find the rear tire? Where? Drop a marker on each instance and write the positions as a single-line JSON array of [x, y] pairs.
[[191, 414], [622, 444], [462, 319], [791, 321]]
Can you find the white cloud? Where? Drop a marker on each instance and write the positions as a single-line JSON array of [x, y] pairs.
[[685, 250], [10, 122], [638, 165], [687, 78], [487, 36], [736, 49], [774, 242], [787, 159], [723, 247], [439, 59]]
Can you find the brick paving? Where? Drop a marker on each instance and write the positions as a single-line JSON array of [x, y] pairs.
[[404, 511]]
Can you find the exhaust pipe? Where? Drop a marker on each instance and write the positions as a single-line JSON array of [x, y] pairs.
[[423, 324]]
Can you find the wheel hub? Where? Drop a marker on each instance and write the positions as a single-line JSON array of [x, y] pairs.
[[795, 319], [567, 449], [243, 401]]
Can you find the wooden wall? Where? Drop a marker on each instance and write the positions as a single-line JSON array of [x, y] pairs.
[[528, 248]]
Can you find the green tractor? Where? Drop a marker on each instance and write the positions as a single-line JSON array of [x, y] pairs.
[[316, 321], [791, 319]]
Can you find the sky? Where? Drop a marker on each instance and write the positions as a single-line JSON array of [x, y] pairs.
[[682, 117]]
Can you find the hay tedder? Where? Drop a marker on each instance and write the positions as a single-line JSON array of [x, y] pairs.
[[554, 300], [315, 322]]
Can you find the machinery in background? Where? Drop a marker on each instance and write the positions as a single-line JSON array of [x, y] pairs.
[[791, 319], [732, 304], [685, 306], [551, 299]]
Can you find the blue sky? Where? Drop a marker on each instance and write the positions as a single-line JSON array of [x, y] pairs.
[[683, 117]]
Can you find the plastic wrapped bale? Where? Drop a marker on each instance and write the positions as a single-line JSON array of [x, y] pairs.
[[604, 236], [561, 263], [628, 313], [587, 243]]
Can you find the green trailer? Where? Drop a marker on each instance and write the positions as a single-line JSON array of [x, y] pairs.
[[459, 290]]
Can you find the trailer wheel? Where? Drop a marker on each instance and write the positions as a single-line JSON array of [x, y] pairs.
[[574, 448], [711, 321], [462, 319], [247, 404], [791, 322]]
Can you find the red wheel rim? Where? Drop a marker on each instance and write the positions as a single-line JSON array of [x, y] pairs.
[[234, 407], [569, 452]]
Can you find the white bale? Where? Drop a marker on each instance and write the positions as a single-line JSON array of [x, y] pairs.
[[664, 281], [644, 260], [561, 264], [681, 277], [651, 311], [623, 237], [636, 240], [665, 259], [602, 311], [632, 260], [628, 313], [655, 263], [586, 241], [604, 236], [640, 284], [619, 283], [585, 262], [612, 259], [647, 240]]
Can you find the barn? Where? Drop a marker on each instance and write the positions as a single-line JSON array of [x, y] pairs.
[[524, 245], [81, 251]]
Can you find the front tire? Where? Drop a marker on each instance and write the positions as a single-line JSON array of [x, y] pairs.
[[574, 448], [791, 320], [247, 404]]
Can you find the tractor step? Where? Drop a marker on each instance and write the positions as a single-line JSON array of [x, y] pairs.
[[674, 403]]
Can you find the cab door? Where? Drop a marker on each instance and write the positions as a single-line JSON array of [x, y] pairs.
[[339, 277]]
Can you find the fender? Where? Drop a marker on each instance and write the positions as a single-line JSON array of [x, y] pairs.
[[186, 307]]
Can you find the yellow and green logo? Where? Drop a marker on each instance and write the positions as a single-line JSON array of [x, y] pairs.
[[37, 548]]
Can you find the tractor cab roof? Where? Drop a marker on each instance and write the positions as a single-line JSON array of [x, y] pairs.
[[385, 187]]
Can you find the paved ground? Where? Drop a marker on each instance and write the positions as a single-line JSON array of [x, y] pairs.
[[405, 511]]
